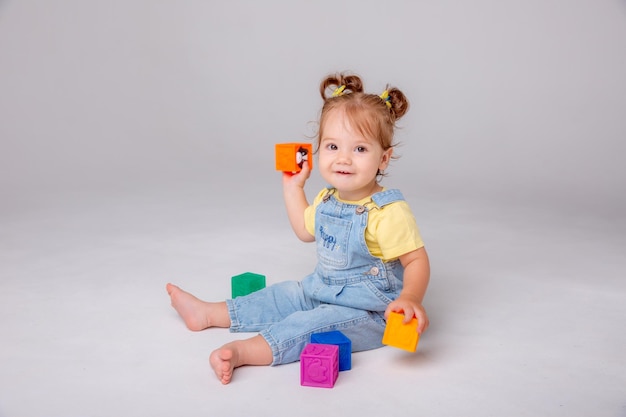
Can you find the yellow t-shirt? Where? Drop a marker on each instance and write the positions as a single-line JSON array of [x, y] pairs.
[[391, 230]]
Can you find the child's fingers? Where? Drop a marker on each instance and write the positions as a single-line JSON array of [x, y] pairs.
[[396, 308], [409, 313], [422, 319], [305, 171], [422, 322], [409, 310]]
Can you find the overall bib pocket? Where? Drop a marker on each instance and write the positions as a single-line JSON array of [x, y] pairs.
[[332, 235]]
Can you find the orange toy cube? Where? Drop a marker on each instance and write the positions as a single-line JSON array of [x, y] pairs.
[[291, 156], [399, 334]]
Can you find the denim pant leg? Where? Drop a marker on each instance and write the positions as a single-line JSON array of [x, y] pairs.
[[288, 337], [260, 309]]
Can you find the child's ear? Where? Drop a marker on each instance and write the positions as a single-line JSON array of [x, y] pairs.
[[384, 162]]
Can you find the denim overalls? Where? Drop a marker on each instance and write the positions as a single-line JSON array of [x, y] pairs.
[[348, 291]]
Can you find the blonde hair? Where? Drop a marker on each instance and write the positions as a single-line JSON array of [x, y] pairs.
[[371, 115]]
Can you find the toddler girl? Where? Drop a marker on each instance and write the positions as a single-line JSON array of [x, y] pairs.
[[371, 259]]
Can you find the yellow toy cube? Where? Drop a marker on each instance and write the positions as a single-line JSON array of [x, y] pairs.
[[291, 156], [399, 334]]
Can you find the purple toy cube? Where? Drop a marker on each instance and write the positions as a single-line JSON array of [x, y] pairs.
[[335, 337], [319, 365]]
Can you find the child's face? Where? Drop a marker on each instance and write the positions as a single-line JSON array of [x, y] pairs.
[[348, 161]]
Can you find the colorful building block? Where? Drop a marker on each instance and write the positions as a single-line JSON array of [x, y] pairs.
[[291, 156], [399, 334], [335, 337], [246, 283], [319, 365]]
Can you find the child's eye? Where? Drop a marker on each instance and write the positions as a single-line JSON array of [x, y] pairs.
[[361, 149], [332, 147]]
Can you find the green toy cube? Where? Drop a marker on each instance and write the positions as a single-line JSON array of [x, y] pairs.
[[246, 283]]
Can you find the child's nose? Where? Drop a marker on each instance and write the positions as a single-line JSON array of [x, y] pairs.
[[344, 157]]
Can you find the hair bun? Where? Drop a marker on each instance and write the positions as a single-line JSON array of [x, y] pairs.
[[399, 102], [350, 83]]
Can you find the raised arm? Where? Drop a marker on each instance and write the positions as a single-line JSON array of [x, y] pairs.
[[296, 202]]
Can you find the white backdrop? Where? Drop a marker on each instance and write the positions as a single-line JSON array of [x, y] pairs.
[[521, 102]]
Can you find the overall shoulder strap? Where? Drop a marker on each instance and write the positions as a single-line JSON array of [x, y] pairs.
[[383, 198]]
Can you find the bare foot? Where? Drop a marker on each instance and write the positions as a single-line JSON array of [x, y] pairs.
[[194, 312], [253, 351], [224, 361]]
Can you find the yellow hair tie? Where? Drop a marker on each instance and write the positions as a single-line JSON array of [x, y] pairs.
[[386, 98], [339, 91]]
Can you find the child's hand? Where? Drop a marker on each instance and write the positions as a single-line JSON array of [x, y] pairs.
[[410, 308], [297, 179]]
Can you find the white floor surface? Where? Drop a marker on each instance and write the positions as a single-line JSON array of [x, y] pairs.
[[527, 313]]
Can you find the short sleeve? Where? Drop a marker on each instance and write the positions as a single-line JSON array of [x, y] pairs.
[[396, 231]]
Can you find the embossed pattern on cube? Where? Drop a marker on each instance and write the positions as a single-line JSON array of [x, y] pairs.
[[319, 365]]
